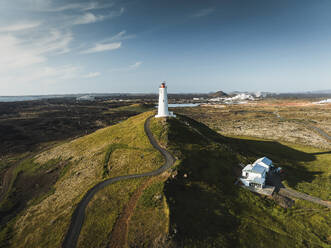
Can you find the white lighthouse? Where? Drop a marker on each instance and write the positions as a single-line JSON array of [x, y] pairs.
[[163, 102]]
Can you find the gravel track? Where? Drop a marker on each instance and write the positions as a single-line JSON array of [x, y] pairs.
[[296, 194]]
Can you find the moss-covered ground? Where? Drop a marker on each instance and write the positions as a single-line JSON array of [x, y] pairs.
[[149, 225]]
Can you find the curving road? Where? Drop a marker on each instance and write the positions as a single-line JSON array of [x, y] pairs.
[[78, 216]]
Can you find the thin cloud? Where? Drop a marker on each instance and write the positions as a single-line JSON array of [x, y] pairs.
[[120, 36], [89, 17], [56, 42], [103, 47], [29, 46], [204, 12], [92, 75], [78, 6], [19, 53], [129, 68], [15, 56], [111, 43], [47, 74], [19, 26], [136, 65]]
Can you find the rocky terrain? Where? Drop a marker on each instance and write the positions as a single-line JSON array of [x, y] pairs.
[[269, 119]]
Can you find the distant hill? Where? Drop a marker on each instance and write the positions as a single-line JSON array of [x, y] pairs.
[[320, 92], [218, 94]]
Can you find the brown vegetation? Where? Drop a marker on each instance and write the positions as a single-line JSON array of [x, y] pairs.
[[263, 120]]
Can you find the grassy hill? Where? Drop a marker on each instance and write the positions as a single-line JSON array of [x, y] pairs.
[[196, 204], [208, 210], [116, 150]]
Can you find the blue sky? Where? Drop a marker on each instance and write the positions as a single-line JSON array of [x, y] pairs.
[[54, 47]]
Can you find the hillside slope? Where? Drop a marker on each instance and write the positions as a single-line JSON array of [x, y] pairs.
[[113, 151], [208, 210], [197, 205]]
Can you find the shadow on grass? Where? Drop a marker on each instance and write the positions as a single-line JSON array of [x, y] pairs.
[[202, 196], [31, 187], [320, 153]]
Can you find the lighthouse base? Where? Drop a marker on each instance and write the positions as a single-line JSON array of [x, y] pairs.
[[171, 114]]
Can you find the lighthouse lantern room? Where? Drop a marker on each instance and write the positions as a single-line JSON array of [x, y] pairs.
[[163, 102]]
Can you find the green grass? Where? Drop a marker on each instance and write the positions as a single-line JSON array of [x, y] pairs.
[[103, 211], [208, 210], [137, 108], [26, 168], [201, 206], [148, 198], [311, 177], [6, 234], [105, 208], [150, 222], [307, 169], [160, 130], [109, 151], [87, 155], [24, 194]]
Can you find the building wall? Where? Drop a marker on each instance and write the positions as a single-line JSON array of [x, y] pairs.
[[252, 175]]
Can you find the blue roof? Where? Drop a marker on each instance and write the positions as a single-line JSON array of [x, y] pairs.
[[258, 169], [264, 160]]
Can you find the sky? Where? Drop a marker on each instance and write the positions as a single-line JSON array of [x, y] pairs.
[[96, 46]]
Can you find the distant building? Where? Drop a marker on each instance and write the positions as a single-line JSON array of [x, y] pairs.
[[86, 98], [254, 175], [163, 103]]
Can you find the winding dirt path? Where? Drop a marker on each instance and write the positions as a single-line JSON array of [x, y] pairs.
[[77, 219], [119, 235]]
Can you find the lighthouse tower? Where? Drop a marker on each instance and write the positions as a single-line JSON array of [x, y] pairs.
[[163, 102]]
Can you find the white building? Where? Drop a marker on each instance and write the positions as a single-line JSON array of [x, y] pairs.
[[163, 103], [254, 175], [265, 162], [86, 98]]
